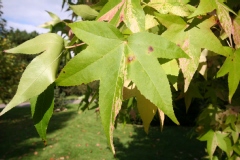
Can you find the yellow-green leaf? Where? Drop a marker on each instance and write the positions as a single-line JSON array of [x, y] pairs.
[[134, 16], [191, 39], [84, 11], [110, 58], [41, 72], [231, 66], [146, 109]]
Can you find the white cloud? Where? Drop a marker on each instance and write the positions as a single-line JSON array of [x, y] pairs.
[[26, 27], [28, 14]]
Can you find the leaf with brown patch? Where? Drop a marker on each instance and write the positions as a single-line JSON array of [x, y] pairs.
[[111, 59]]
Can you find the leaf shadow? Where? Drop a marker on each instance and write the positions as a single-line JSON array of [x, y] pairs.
[[172, 143], [17, 126]]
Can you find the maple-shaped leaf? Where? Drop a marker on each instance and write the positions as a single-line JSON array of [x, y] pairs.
[[146, 109], [215, 139], [231, 66], [222, 10], [191, 38], [41, 72], [129, 11], [111, 58]]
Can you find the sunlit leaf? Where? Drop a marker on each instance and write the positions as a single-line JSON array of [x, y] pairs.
[[110, 11], [191, 38], [171, 68], [129, 11], [225, 20], [236, 33], [211, 139], [150, 22], [41, 72], [168, 7], [231, 66], [112, 58], [55, 20], [204, 7], [146, 109], [134, 16], [84, 11], [161, 118]]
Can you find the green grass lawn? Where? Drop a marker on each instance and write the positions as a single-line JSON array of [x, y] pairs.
[[78, 136]]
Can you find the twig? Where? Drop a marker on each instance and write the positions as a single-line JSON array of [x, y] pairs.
[[76, 45]]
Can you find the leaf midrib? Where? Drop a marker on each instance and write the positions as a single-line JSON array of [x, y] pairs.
[[150, 80], [41, 73], [110, 51]]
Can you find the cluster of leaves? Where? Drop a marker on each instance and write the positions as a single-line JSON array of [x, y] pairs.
[[135, 48], [220, 128]]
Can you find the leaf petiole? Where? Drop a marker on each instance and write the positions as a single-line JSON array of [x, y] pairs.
[[75, 45]]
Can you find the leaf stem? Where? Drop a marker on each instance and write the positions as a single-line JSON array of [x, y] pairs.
[[75, 45]]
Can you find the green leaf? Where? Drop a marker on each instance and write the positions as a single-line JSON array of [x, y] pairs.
[[41, 72], [228, 145], [204, 7], [42, 110], [191, 38], [168, 7], [55, 20], [146, 109], [211, 139], [84, 11], [134, 16], [236, 148], [231, 66], [222, 11], [110, 59], [222, 141], [150, 22], [171, 68], [215, 139]]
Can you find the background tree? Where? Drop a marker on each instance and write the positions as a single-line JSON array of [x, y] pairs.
[[11, 66]]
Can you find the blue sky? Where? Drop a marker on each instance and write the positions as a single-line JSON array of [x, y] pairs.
[[29, 14]]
